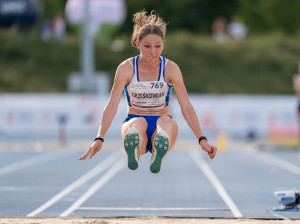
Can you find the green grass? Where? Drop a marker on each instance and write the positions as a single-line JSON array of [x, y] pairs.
[[260, 65]]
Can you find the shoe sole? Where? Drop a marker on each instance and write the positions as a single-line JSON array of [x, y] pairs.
[[161, 145], [131, 144]]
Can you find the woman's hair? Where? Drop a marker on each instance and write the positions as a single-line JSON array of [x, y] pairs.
[[147, 24]]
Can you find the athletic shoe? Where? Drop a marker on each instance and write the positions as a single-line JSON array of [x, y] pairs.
[[131, 145], [159, 150]]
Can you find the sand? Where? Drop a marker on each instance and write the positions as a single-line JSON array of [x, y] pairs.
[[140, 220]]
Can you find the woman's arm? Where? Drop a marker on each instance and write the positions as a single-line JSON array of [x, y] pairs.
[[174, 77], [122, 77], [111, 107], [296, 83]]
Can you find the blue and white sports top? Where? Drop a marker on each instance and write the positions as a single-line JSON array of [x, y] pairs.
[[148, 94]]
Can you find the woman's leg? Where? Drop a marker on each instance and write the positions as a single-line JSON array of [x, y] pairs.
[[170, 126], [135, 140], [298, 132], [164, 139]]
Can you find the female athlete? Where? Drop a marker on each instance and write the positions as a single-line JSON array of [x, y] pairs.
[[147, 81]]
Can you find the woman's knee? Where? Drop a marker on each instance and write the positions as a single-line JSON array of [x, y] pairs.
[[140, 123], [166, 122], [163, 120]]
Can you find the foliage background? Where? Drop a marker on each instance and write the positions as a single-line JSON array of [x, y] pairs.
[[263, 64]]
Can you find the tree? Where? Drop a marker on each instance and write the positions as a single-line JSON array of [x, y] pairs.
[[52, 8], [271, 15], [192, 15]]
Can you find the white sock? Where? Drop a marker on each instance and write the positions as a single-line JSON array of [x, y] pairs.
[[132, 130], [163, 134]]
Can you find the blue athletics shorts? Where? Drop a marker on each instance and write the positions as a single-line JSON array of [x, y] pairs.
[[151, 120]]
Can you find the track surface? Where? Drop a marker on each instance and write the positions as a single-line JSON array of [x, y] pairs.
[[237, 183]]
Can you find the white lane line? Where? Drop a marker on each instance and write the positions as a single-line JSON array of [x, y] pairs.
[[28, 163], [95, 187], [149, 209], [83, 179], [275, 161], [282, 217], [202, 164], [13, 188]]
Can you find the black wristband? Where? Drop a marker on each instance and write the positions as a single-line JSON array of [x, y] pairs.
[[99, 138], [202, 138]]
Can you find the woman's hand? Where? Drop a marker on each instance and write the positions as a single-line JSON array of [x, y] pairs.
[[94, 148], [210, 149]]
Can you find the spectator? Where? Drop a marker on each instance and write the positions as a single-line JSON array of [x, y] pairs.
[[219, 30], [296, 85], [59, 27], [45, 31], [237, 29]]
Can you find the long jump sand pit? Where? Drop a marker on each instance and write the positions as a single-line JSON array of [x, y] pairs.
[[140, 220]]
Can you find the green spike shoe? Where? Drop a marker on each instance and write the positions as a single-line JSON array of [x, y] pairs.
[[159, 150], [131, 145]]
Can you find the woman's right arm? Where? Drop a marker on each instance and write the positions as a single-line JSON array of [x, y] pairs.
[[122, 77]]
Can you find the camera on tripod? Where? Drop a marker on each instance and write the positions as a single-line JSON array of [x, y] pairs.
[[289, 199]]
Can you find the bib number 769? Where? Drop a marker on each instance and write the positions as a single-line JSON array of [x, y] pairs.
[[156, 85]]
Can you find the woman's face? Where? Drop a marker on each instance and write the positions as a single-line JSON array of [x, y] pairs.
[[150, 47]]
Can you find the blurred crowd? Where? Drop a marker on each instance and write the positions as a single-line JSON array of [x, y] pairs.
[[223, 32], [53, 29]]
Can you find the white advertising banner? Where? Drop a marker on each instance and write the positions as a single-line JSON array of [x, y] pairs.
[[44, 116], [100, 11]]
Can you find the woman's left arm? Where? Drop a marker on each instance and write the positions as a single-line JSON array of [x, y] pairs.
[[174, 77], [296, 84]]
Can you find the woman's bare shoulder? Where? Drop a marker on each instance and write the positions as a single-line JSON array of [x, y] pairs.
[[127, 64], [172, 72], [124, 71], [172, 67]]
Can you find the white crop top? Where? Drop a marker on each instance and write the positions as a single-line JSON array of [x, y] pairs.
[[148, 94]]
